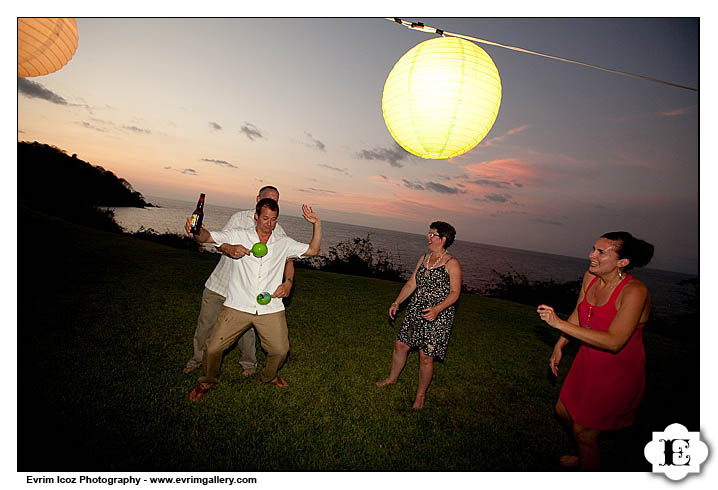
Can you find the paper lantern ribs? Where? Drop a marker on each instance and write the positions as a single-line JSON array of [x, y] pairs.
[[44, 45], [441, 98]]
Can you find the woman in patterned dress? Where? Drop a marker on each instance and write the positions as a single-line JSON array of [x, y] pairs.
[[605, 384], [435, 285]]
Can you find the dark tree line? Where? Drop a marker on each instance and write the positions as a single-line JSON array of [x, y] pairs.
[[50, 181], [48, 177]]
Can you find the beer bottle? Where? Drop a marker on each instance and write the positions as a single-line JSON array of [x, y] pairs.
[[197, 216]]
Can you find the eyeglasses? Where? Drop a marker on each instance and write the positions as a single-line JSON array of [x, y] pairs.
[[432, 235]]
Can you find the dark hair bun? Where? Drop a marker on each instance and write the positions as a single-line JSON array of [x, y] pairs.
[[637, 251]]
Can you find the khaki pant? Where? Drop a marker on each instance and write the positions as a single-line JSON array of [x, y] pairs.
[[211, 307], [231, 323]]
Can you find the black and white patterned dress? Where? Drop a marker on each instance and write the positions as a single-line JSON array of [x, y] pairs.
[[415, 331]]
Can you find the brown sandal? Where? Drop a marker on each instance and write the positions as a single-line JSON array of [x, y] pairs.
[[198, 392], [279, 382], [569, 461]]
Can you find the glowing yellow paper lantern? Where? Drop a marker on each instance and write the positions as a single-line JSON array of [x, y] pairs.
[[44, 45], [441, 98]]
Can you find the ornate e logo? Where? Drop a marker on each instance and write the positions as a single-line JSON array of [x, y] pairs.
[[676, 452]]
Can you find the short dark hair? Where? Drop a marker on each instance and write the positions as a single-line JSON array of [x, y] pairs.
[[269, 202], [445, 230], [268, 188], [637, 251]]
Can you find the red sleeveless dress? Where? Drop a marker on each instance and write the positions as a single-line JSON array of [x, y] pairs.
[[603, 389]]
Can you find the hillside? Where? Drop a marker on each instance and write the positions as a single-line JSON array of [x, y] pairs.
[[46, 176]]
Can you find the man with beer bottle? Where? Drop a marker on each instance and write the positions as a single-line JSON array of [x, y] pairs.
[[250, 276], [215, 289]]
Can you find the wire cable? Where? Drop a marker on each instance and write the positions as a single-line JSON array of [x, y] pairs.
[[419, 26]]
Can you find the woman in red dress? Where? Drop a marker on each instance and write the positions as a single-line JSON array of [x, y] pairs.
[[605, 384]]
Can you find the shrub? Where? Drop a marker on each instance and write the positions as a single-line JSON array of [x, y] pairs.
[[102, 219], [691, 293], [170, 239], [516, 287], [683, 325], [357, 256]]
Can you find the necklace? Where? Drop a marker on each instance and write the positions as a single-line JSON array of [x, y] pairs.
[[590, 306], [426, 272], [612, 285]]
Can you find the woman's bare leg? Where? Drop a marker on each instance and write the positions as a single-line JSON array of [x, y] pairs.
[[398, 360], [589, 455], [567, 460], [426, 372]]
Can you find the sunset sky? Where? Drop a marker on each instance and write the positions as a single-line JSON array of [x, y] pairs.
[[224, 106]]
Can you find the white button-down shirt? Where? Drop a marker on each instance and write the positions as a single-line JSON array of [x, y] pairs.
[[250, 275], [219, 279]]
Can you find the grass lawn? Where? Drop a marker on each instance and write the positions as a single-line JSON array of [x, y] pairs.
[[105, 325]]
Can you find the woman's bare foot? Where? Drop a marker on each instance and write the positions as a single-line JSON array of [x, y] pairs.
[[568, 461], [385, 382], [418, 403], [248, 372]]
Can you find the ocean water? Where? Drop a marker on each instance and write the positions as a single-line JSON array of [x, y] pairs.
[[478, 261]]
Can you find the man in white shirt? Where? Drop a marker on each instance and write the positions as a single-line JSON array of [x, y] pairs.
[[215, 292], [249, 277]]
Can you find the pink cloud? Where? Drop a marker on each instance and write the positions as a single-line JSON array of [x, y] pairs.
[[536, 170], [504, 169], [629, 118], [510, 132], [381, 179], [399, 201], [680, 112]]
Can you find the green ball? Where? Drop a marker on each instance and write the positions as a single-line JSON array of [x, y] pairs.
[[259, 249], [264, 298]]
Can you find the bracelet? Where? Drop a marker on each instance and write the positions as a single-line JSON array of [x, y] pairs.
[[397, 304]]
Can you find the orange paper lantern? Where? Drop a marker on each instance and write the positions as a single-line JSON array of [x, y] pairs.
[[44, 45]]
